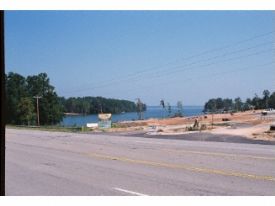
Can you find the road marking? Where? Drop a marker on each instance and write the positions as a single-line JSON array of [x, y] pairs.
[[229, 144], [147, 142], [130, 192], [220, 154], [212, 153], [184, 167], [169, 150]]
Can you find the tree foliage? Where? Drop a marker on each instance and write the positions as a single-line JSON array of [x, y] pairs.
[[169, 109], [95, 105], [267, 100], [179, 109], [140, 108], [25, 111], [21, 104]]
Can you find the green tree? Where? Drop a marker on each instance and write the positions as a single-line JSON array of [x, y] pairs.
[[162, 104], [94, 105], [256, 102], [210, 106], [227, 104], [25, 111], [16, 88], [169, 109], [266, 95], [50, 108], [39, 85], [219, 103], [271, 101], [139, 106], [238, 104], [21, 90], [180, 109], [248, 104]]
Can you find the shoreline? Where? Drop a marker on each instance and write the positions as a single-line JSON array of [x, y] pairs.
[[132, 116], [72, 114], [242, 126]]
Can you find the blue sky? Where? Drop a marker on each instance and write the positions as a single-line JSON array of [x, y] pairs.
[[172, 55]]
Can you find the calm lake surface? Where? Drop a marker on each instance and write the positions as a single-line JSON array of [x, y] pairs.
[[151, 112]]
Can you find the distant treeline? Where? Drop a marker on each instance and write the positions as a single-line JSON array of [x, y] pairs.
[[21, 101], [94, 105], [219, 105]]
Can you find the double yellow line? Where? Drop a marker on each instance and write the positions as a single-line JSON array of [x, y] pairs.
[[183, 167]]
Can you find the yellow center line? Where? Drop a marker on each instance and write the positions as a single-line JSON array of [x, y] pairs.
[[220, 154], [184, 167]]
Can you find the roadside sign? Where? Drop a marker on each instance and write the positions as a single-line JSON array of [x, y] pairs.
[[105, 121]]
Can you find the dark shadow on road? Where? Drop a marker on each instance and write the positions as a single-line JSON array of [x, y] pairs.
[[204, 136]]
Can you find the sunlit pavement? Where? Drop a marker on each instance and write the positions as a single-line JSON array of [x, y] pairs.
[[59, 163]]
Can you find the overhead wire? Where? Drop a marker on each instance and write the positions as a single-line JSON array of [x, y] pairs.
[[147, 88], [179, 68]]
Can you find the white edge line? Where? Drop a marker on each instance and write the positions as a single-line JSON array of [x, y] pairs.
[[130, 192]]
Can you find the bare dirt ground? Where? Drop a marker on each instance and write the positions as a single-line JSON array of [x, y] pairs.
[[249, 124]]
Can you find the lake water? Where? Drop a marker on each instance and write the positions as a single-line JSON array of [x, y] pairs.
[[151, 112]]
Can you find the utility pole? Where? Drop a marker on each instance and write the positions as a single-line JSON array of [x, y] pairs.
[[213, 110], [212, 121], [37, 108], [139, 105]]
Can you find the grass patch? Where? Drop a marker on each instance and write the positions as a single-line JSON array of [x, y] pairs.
[[226, 124], [50, 128]]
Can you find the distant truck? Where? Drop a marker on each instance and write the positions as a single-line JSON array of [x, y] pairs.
[[268, 111]]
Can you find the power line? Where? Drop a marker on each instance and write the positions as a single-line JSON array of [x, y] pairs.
[[182, 68], [185, 58], [147, 88], [218, 56], [168, 70], [212, 50]]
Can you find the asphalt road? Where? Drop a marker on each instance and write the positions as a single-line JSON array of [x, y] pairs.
[[56, 163]]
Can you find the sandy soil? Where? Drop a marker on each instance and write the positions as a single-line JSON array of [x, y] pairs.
[[249, 124]]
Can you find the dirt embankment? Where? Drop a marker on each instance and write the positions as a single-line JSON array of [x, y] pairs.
[[249, 124]]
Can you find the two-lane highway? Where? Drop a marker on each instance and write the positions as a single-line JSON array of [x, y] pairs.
[[56, 163]]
